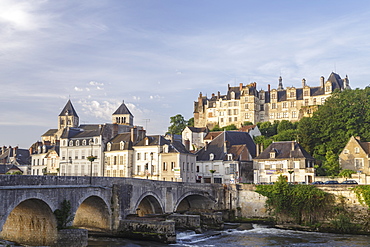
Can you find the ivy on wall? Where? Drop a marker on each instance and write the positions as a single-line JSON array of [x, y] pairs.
[[363, 194], [304, 204]]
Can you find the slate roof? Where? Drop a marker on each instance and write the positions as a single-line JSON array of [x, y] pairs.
[[68, 108], [5, 168], [232, 140], [122, 109], [284, 150], [154, 140], [198, 130], [116, 142], [50, 132]]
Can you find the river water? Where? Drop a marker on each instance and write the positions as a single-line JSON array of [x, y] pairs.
[[260, 235]]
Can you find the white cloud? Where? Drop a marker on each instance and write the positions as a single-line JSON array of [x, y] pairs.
[[78, 89]]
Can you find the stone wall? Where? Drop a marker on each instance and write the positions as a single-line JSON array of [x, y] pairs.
[[72, 238]]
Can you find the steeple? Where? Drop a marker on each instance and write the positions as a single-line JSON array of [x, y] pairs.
[[123, 116], [68, 117], [280, 87]]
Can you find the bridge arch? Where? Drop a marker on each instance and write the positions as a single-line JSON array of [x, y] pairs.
[[148, 203], [194, 201], [93, 213], [31, 222]]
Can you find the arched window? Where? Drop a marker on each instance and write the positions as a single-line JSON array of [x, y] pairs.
[[109, 146], [211, 156], [91, 141], [70, 143], [84, 142], [96, 140], [122, 145]]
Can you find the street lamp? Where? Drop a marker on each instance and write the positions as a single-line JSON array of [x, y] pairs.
[[91, 158]]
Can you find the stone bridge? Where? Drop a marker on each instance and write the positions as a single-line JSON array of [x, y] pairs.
[[28, 202]]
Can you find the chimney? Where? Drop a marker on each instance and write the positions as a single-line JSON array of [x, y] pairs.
[[268, 87], [31, 150], [3, 151], [303, 83], [293, 144], [213, 95], [205, 146], [240, 86], [358, 138], [134, 135], [115, 129], [218, 95], [322, 81]]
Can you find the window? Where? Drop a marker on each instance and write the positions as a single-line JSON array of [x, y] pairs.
[[306, 102], [76, 154], [246, 115], [84, 142], [294, 114], [262, 107], [273, 106], [358, 163], [314, 101], [172, 165], [285, 104], [235, 111], [327, 89], [357, 150], [292, 103], [235, 119], [305, 93], [109, 146], [292, 94], [78, 143], [229, 112], [122, 145], [211, 156], [285, 115], [272, 115], [236, 103], [246, 106], [346, 151], [197, 169], [164, 166], [138, 156], [272, 155], [145, 156], [277, 115], [273, 96], [70, 143], [230, 119]]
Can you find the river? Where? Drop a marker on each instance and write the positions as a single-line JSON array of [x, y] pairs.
[[260, 235]]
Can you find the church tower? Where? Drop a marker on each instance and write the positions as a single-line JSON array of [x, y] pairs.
[[68, 117], [123, 116]]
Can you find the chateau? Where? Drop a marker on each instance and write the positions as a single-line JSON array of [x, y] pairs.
[[246, 103]]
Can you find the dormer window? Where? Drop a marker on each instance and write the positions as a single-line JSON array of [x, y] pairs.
[[229, 157], [272, 155], [78, 143], [44, 149], [211, 156], [147, 141], [39, 150], [84, 142], [165, 148], [232, 95], [109, 146], [90, 141], [71, 143], [96, 141], [122, 145]]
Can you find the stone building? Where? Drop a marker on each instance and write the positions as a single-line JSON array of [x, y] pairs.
[[13, 159], [157, 158], [226, 158], [355, 156], [73, 143], [193, 138], [287, 158], [247, 103]]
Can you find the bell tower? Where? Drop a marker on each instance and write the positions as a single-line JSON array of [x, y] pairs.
[[68, 117], [123, 116]]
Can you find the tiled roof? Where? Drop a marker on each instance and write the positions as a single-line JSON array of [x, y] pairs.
[[247, 128], [284, 150], [198, 130]]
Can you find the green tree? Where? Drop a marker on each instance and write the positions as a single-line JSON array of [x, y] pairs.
[[178, 124], [286, 135], [191, 122], [268, 129], [63, 215], [284, 125], [346, 173], [230, 127], [246, 123], [216, 128], [331, 164]]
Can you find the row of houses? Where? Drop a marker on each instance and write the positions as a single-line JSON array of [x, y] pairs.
[[120, 149]]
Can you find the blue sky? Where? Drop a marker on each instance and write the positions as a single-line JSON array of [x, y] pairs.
[[158, 55]]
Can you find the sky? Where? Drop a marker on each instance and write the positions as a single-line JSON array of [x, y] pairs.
[[158, 55]]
